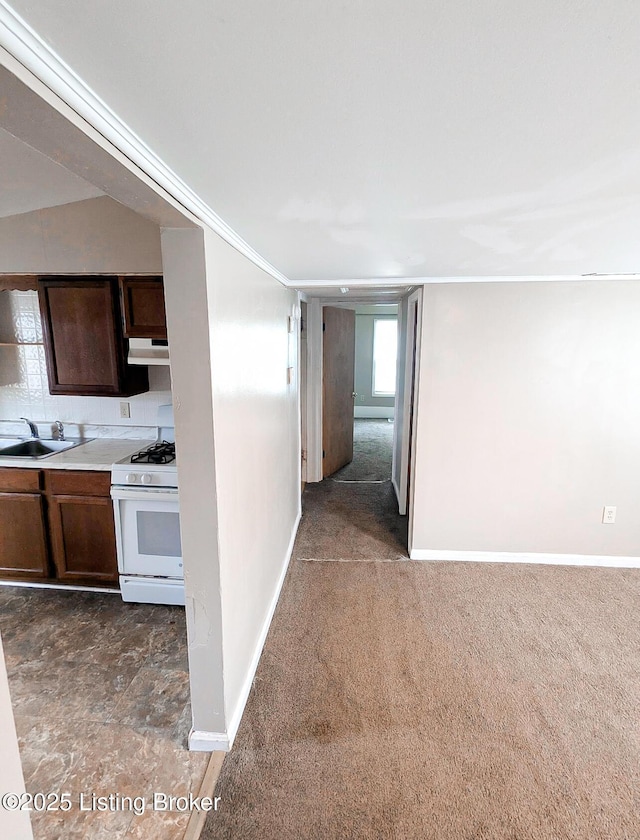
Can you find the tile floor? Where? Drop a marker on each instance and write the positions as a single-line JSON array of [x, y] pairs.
[[101, 703]]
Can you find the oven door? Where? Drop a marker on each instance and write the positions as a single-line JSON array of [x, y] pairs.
[[148, 532]]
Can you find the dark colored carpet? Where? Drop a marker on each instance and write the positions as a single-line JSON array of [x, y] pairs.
[[351, 522], [402, 701], [372, 452]]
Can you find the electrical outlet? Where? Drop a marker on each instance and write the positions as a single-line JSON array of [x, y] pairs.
[[608, 515], [125, 410]]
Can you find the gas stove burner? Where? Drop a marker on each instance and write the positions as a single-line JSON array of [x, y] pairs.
[[159, 453]]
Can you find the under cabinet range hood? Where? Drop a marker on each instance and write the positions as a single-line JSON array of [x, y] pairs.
[[148, 351]]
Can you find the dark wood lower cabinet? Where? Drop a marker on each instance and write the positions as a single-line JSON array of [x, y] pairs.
[[83, 539], [23, 543], [57, 525]]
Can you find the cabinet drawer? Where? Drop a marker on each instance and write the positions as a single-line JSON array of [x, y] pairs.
[[78, 483], [15, 480]]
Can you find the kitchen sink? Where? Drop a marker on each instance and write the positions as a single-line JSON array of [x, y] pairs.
[[36, 448], [5, 442]]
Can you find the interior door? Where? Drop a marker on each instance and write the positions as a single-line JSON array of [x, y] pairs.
[[338, 360]]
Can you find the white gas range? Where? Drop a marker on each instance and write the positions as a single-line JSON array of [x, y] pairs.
[[144, 489]]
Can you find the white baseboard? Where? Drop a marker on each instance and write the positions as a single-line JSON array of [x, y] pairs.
[[611, 561], [200, 741], [203, 741], [29, 584], [373, 412], [236, 715]]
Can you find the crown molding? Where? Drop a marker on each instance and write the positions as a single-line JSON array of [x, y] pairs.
[[27, 47], [391, 282]]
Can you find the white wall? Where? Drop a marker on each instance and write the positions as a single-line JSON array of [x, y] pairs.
[[238, 434], [257, 453], [13, 824], [187, 283], [529, 410], [97, 235]]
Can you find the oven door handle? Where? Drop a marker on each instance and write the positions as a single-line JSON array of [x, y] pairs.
[[148, 494]]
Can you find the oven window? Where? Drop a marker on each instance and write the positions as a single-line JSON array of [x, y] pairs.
[[159, 533]]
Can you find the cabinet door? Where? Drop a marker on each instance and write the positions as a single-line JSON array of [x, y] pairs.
[[83, 539], [84, 346], [23, 544], [143, 307]]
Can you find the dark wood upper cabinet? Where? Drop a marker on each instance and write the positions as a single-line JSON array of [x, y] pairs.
[[85, 348], [143, 310]]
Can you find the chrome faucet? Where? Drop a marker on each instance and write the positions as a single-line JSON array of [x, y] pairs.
[[59, 430], [32, 426]]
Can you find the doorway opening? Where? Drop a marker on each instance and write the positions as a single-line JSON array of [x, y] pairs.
[[71, 641], [361, 367], [374, 391]]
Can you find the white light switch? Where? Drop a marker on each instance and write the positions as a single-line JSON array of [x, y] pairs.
[[608, 515]]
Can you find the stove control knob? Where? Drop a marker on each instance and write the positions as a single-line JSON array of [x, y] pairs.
[[145, 479], [131, 478]]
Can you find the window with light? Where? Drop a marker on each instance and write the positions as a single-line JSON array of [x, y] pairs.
[[385, 353]]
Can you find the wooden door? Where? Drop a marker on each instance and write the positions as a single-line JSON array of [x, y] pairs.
[[338, 360]]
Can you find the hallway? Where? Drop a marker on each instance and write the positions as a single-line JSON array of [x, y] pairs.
[[353, 515]]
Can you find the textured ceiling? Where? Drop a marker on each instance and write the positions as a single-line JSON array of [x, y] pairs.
[[384, 139]]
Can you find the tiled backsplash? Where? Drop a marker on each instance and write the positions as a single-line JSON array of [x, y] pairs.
[[24, 389]]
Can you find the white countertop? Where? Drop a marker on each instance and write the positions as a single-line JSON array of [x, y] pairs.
[[97, 454]]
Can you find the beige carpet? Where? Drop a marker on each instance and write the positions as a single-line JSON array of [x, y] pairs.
[[445, 701]]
